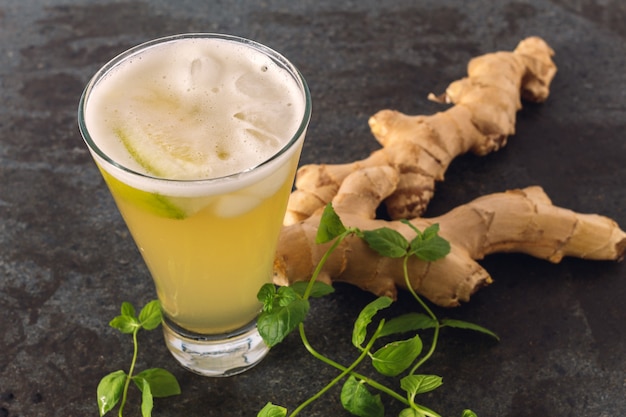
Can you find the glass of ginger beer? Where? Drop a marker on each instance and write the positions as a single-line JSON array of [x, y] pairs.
[[198, 138]]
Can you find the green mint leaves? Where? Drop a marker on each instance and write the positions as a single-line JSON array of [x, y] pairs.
[[271, 410], [149, 318], [286, 308], [427, 245], [365, 318], [283, 311], [153, 383], [110, 391], [330, 226], [359, 401]]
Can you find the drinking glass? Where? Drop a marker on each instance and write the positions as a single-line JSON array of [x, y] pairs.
[[207, 236]]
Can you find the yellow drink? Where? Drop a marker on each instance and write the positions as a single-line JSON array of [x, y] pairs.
[[208, 266], [198, 138]]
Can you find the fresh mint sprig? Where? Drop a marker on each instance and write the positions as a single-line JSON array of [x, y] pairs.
[[286, 308], [153, 383]]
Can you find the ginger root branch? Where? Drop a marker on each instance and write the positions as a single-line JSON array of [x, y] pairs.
[[420, 148], [523, 220]]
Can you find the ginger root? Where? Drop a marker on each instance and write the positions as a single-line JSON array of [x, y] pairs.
[[522, 221], [420, 148]]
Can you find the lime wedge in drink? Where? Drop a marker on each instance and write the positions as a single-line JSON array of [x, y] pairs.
[[156, 143], [154, 203], [166, 136]]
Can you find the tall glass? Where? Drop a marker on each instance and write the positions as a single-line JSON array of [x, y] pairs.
[[198, 138]]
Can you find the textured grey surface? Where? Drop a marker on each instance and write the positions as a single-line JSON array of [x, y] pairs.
[[67, 261]]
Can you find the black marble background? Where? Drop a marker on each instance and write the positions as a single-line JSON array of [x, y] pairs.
[[67, 261]]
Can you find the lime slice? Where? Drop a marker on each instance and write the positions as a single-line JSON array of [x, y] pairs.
[[151, 202], [153, 141], [165, 136]]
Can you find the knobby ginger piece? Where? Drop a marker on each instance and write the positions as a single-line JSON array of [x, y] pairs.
[[420, 148], [523, 220]]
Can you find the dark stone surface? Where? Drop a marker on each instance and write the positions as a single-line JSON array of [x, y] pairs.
[[67, 261]]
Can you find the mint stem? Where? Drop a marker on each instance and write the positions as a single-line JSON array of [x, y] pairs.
[[345, 371], [328, 361], [130, 371], [342, 368], [433, 346], [322, 262]]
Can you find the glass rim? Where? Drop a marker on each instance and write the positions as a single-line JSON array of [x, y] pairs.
[[121, 57]]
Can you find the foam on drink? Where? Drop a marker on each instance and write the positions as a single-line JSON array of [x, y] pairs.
[[193, 109]]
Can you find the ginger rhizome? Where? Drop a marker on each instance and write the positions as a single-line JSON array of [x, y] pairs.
[[523, 221], [416, 151], [420, 148]]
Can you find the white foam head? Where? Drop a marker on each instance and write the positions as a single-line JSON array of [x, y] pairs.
[[191, 108]]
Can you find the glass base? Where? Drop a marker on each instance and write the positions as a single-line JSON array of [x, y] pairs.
[[216, 355]]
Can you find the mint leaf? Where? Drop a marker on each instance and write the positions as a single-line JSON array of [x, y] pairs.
[[266, 296], [125, 324], [320, 289], [162, 382], [460, 324], [359, 401], [394, 358], [469, 413], [365, 318], [147, 401], [409, 412], [431, 231], [283, 310], [387, 242], [150, 315], [407, 323], [276, 324], [285, 296], [330, 225], [432, 249], [428, 245], [419, 384], [271, 410], [109, 391], [127, 309]]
